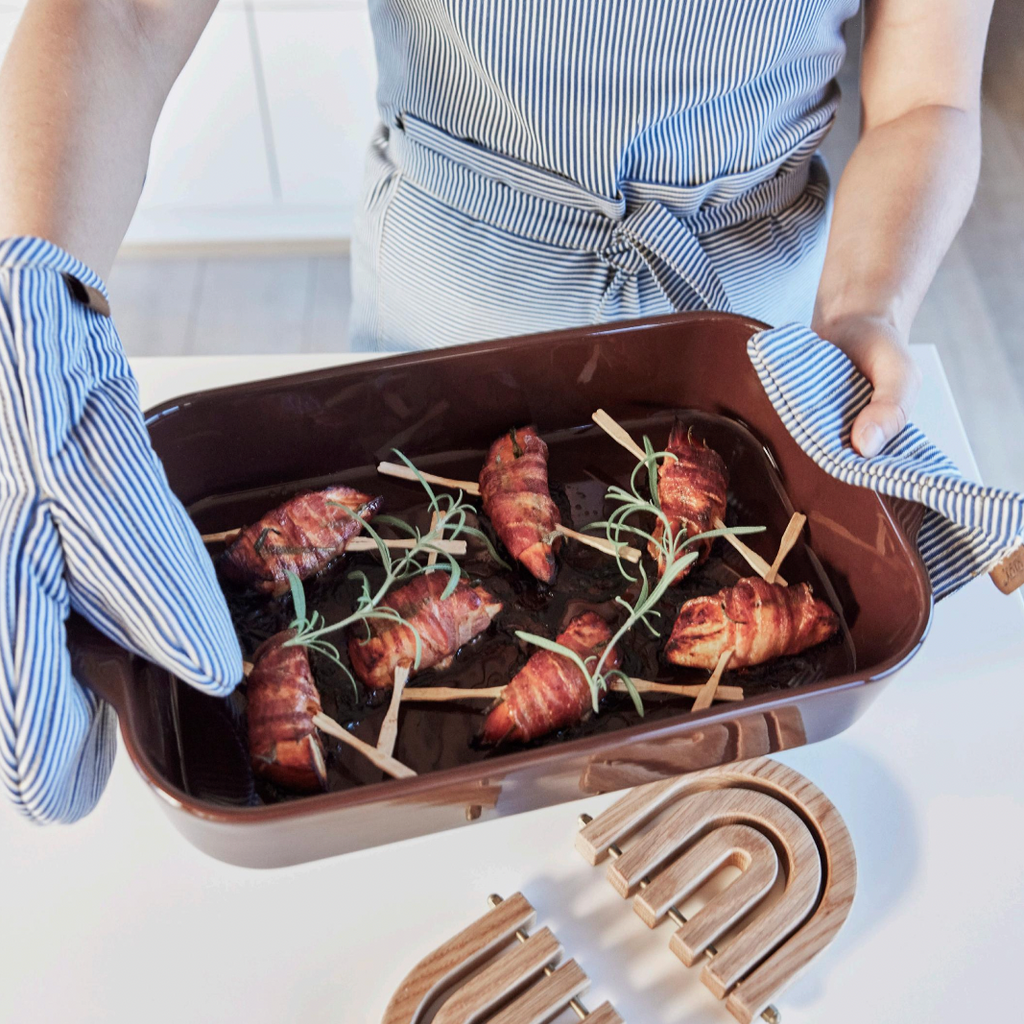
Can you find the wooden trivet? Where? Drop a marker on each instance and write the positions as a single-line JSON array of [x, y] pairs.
[[758, 816], [495, 971]]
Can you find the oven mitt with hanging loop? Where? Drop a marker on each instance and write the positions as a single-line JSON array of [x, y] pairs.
[[89, 523], [818, 392]]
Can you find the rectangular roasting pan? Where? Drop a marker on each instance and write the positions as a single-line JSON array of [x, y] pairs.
[[458, 400]]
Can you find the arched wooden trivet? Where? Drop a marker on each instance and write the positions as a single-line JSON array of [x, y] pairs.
[[485, 974], [760, 817]]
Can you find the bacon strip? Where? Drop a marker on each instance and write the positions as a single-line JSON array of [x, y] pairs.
[[757, 620], [284, 745], [516, 498], [302, 536], [550, 692], [692, 491], [443, 626]]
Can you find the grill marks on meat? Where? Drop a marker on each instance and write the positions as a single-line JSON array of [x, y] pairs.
[[516, 498], [302, 536], [550, 692], [692, 491], [284, 745], [443, 626], [757, 620]]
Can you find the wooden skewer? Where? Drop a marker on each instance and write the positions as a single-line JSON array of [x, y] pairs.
[[626, 551], [383, 761], [453, 547], [754, 560], [224, 536], [631, 554], [403, 472], [432, 557], [438, 694], [708, 690], [618, 433], [789, 538], [729, 693], [389, 727]]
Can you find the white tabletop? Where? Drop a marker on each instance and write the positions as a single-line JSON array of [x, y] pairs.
[[118, 919]]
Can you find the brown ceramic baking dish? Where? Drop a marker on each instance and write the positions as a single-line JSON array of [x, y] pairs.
[[226, 450]]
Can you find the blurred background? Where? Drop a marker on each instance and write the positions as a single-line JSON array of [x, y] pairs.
[[240, 244]]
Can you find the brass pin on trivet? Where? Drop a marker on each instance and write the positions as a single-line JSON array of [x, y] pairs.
[[770, 1013], [760, 817]]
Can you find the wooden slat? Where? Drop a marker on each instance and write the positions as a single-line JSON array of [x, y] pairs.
[[498, 980], [737, 845], [756, 966], [764, 984], [456, 958], [540, 1002], [604, 1014]]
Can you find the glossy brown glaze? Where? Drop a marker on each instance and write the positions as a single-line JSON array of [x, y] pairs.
[[693, 492], [757, 621], [550, 691], [443, 624], [303, 535], [517, 499], [443, 408], [282, 701]]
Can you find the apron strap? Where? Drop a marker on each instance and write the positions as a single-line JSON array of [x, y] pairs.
[[675, 257]]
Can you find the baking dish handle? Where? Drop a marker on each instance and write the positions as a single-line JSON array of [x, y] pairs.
[[98, 663]]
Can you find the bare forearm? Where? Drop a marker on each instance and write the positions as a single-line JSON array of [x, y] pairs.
[[899, 203], [81, 89]]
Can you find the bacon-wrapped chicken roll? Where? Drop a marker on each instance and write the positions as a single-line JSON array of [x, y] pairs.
[[550, 692], [302, 536], [758, 621], [692, 491], [516, 498], [443, 627], [284, 744]]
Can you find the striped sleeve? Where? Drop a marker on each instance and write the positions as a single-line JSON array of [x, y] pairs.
[[87, 523], [818, 392]]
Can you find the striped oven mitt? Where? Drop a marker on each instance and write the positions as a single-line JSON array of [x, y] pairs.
[[87, 522], [818, 393]]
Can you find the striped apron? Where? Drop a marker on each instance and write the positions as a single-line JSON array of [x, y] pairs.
[[551, 163]]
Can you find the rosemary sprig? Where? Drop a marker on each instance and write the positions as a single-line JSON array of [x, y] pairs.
[[670, 545], [452, 512]]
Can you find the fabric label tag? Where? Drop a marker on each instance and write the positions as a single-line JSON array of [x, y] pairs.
[[1008, 575]]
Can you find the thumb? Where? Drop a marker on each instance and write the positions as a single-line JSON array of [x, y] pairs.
[[896, 381]]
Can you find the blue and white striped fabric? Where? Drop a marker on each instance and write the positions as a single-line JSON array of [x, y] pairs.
[[818, 393], [549, 163], [87, 522]]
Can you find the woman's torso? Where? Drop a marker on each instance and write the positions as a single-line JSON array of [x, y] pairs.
[[601, 108]]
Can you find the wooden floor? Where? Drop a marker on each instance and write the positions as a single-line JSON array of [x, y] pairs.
[[974, 312]]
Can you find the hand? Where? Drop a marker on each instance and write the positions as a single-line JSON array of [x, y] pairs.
[[89, 523], [879, 350]]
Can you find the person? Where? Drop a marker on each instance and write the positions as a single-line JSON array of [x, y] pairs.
[[540, 163]]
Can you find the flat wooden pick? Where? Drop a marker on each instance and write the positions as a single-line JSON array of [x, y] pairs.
[[1008, 575]]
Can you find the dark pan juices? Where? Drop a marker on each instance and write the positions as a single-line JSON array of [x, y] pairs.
[[583, 462]]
